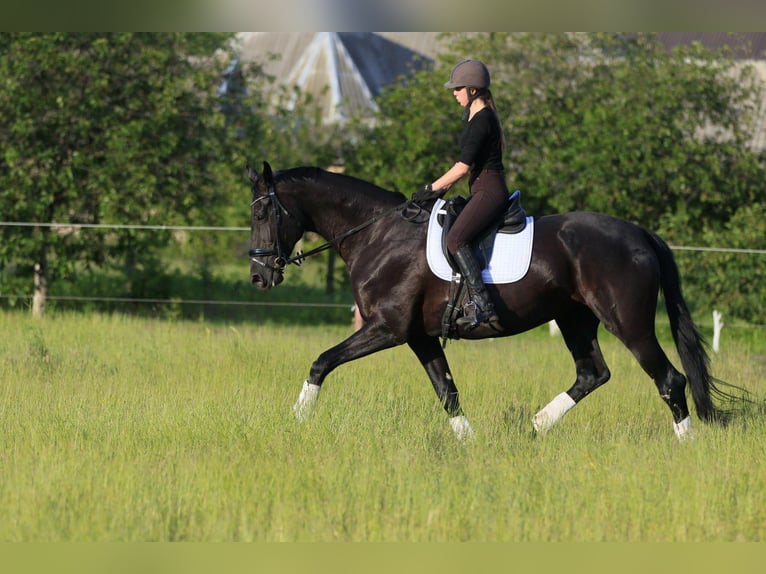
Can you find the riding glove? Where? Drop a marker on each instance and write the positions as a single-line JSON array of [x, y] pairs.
[[426, 193]]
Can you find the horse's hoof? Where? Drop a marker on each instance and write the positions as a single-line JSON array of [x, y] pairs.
[[306, 401], [462, 428], [683, 429]]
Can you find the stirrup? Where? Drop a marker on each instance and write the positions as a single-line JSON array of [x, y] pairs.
[[477, 316], [469, 319]]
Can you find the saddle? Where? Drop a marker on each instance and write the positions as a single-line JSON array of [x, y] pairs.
[[513, 220]]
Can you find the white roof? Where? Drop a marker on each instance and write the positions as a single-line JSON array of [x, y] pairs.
[[343, 71]]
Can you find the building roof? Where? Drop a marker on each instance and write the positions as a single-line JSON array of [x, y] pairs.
[[344, 71]]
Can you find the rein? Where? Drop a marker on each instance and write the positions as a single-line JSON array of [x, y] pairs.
[[280, 262], [300, 255]]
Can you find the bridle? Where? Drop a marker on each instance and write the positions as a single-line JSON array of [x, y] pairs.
[[283, 259]]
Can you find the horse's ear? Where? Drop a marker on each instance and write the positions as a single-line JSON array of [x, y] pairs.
[[252, 174], [268, 175]]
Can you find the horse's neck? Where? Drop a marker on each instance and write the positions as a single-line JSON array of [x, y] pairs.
[[337, 213], [333, 213]]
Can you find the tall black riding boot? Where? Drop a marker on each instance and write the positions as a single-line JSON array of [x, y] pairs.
[[482, 308]]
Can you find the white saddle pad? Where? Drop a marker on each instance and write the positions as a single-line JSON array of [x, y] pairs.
[[510, 256]]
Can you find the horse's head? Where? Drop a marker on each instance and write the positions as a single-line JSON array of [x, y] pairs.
[[273, 231]]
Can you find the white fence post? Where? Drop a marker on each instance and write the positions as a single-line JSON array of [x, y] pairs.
[[717, 326]]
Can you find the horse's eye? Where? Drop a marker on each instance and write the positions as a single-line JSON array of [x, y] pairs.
[[259, 209]]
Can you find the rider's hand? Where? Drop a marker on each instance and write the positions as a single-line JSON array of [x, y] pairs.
[[425, 193]]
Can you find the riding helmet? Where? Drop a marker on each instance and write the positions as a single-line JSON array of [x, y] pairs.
[[470, 74]]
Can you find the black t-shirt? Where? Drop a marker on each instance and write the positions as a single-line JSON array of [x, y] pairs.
[[481, 142]]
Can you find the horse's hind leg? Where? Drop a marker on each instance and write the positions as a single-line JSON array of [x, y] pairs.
[[579, 329], [670, 383], [631, 320], [431, 356]]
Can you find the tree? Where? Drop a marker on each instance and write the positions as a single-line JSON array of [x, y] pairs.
[[104, 128], [731, 281], [414, 136]]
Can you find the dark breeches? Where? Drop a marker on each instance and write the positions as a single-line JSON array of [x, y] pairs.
[[489, 199]]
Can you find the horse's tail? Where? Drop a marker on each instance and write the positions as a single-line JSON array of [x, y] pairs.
[[691, 346]]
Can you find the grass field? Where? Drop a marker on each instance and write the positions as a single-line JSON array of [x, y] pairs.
[[115, 428]]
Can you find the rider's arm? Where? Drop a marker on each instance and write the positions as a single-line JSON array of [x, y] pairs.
[[452, 176]]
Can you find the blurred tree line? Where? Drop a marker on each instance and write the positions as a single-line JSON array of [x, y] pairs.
[[136, 129]]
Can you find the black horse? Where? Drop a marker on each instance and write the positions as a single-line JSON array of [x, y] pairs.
[[586, 268]]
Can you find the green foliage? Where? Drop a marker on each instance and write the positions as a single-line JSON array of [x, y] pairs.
[[413, 139], [726, 281], [118, 127]]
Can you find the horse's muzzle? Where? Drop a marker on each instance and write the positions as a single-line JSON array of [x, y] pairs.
[[266, 275], [266, 280]]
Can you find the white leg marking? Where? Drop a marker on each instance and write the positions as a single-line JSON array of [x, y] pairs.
[[306, 401], [684, 429], [552, 412], [461, 427]]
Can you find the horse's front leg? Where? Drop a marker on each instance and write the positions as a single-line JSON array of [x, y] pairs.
[[370, 338], [431, 356]]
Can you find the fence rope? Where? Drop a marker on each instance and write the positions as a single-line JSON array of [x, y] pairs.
[[181, 301], [217, 228], [717, 249], [121, 226]]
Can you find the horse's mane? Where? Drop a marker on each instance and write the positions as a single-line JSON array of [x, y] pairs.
[[318, 175]]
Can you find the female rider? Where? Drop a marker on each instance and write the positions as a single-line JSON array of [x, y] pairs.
[[481, 155]]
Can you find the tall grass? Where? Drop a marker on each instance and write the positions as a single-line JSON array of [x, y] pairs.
[[126, 429]]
